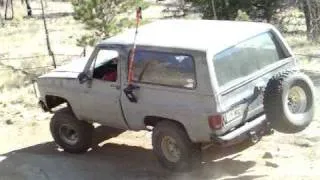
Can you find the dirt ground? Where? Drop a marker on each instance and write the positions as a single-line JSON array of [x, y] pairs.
[[27, 151]]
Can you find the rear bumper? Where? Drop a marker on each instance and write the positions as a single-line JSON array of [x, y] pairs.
[[255, 128]]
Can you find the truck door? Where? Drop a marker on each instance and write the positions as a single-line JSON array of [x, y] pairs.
[[101, 98], [166, 81]]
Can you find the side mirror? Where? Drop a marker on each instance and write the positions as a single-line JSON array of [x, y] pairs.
[[83, 77]]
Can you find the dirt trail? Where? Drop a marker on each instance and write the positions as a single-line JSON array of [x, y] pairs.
[[29, 153]]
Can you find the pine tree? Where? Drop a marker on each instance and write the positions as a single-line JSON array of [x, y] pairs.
[[104, 17], [228, 9]]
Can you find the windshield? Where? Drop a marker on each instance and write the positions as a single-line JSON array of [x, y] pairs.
[[246, 58]]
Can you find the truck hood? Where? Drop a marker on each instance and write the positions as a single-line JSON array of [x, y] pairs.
[[70, 70]]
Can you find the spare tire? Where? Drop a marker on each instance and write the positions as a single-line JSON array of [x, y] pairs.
[[289, 102]]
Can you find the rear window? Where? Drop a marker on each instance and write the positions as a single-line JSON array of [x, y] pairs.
[[247, 58], [162, 68]]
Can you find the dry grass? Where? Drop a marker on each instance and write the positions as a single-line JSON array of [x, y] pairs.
[[19, 105], [26, 37], [301, 45], [21, 124], [306, 52]]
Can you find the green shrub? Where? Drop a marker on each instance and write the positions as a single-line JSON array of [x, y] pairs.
[[104, 17], [242, 16]]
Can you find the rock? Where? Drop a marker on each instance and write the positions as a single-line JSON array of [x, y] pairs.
[[314, 139], [16, 113], [9, 122], [284, 155], [270, 164], [267, 155], [303, 143], [33, 124]]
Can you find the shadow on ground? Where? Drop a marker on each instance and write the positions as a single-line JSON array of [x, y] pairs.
[[51, 15], [113, 161]]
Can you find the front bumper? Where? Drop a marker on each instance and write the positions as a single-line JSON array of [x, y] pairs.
[[250, 130], [35, 89]]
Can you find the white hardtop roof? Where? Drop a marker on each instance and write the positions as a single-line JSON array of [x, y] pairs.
[[202, 35]]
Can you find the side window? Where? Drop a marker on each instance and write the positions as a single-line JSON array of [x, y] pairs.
[[168, 69], [105, 65], [246, 58]]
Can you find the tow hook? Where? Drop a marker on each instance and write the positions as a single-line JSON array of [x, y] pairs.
[[254, 137]]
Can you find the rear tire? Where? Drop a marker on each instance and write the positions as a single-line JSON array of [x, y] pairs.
[[173, 148], [289, 102], [69, 133]]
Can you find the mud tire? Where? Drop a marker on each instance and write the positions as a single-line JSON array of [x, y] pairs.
[[65, 118], [190, 153], [276, 104]]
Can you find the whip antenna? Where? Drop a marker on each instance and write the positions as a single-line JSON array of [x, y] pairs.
[[132, 53], [129, 89]]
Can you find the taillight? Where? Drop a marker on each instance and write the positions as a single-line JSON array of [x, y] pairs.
[[215, 122]]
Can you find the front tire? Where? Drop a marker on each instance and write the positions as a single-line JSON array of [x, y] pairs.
[[173, 148], [69, 133]]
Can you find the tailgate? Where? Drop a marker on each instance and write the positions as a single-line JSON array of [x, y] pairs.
[[239, 103], [243, 69]]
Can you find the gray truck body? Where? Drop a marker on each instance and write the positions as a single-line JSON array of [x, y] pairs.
[[236, 101]]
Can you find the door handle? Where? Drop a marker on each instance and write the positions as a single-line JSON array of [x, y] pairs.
[[129, 91], [117, 86]]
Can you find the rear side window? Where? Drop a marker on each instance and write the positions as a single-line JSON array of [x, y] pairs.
[[246, 58], [168, 69]]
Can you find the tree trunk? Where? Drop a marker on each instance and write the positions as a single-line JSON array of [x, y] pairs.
[[182, 6], [226, 9], [6, 10], [1, 21], [1, 5], [268, 13], [214, 12], [306, 10], [311, 10], [50, 52], [29, 10]]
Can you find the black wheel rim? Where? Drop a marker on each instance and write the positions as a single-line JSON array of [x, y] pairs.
[[68, 134]]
